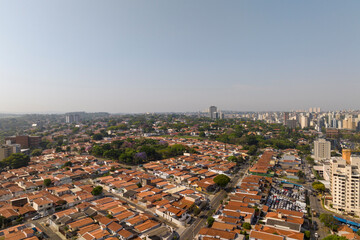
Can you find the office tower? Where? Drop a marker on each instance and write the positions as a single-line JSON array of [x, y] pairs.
[[349, 123], [286, 117], [213, 112], [291, 123], [322, 149], [72, 118], [318, 110], [5, 151], [337, 116], [334, 123], [345, 183], [330, 120], [221, 115], [304, 121]]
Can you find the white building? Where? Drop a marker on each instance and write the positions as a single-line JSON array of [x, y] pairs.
[[304, 121], [345, 183], [322, 149]]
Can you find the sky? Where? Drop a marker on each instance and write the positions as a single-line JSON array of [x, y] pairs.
[[174, 56]]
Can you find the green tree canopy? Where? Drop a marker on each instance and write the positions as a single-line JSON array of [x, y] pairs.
[[329, 221], [36, 152], [97, 190], [47, 182], [67, 164], [97, 137], [16, 160], [222, 180], [318, 186], [210, 221], [246, 225]]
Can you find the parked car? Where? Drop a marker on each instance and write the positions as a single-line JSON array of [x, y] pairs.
[[36, 217]]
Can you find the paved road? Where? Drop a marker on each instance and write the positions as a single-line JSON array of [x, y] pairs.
[[199, 223], [316, 205], [50, 233]]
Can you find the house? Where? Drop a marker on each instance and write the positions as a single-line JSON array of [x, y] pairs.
[[42, 204], [125, 235], [345, 231], [211, 233], [256, 235]]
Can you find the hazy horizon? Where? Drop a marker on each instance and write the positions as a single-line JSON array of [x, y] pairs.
[[178, 56]]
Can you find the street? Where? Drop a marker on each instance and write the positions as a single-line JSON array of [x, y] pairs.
[[199, 223], [49, 232], [315, 204]]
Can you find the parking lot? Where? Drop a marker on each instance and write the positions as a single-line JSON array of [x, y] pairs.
[[289, 199]]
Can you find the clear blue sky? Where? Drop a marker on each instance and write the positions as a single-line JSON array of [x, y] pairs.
[[155, 56]]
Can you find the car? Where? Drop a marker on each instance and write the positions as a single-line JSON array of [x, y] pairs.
[[316, 235], [36, 217]]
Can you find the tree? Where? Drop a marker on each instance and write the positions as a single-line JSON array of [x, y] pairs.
[[358, 232], [47, 182], [58, 149], [318, 186], [67, 164], [16, 160], [334, 237], [222, 180], [197, 211], [36, 152], [307, 234], [329, 221], [97, 137], [252, 150], [232, 159], [210, 221], [246, 225], [300, 174], [310, 160], [97, 190]]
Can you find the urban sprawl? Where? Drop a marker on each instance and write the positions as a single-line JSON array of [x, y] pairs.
[[205, 175]]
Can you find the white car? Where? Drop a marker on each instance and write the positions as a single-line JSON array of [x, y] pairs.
[[316, 235], [36, 217]]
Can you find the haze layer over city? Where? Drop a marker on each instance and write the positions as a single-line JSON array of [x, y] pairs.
[[178, 56]]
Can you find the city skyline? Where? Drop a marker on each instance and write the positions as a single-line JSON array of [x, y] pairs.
[[137, 56]]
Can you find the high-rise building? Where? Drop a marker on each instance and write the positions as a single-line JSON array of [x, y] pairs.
[[7, 149], [286, 117], [213, 112], [72, 118], [291, 123], [304, 121], [349, 123], [322, 149], [345, 183]]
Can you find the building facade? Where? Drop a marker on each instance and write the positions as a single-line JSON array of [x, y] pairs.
[[25, 141], [213, 112], [345, 183], [322, 149]]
